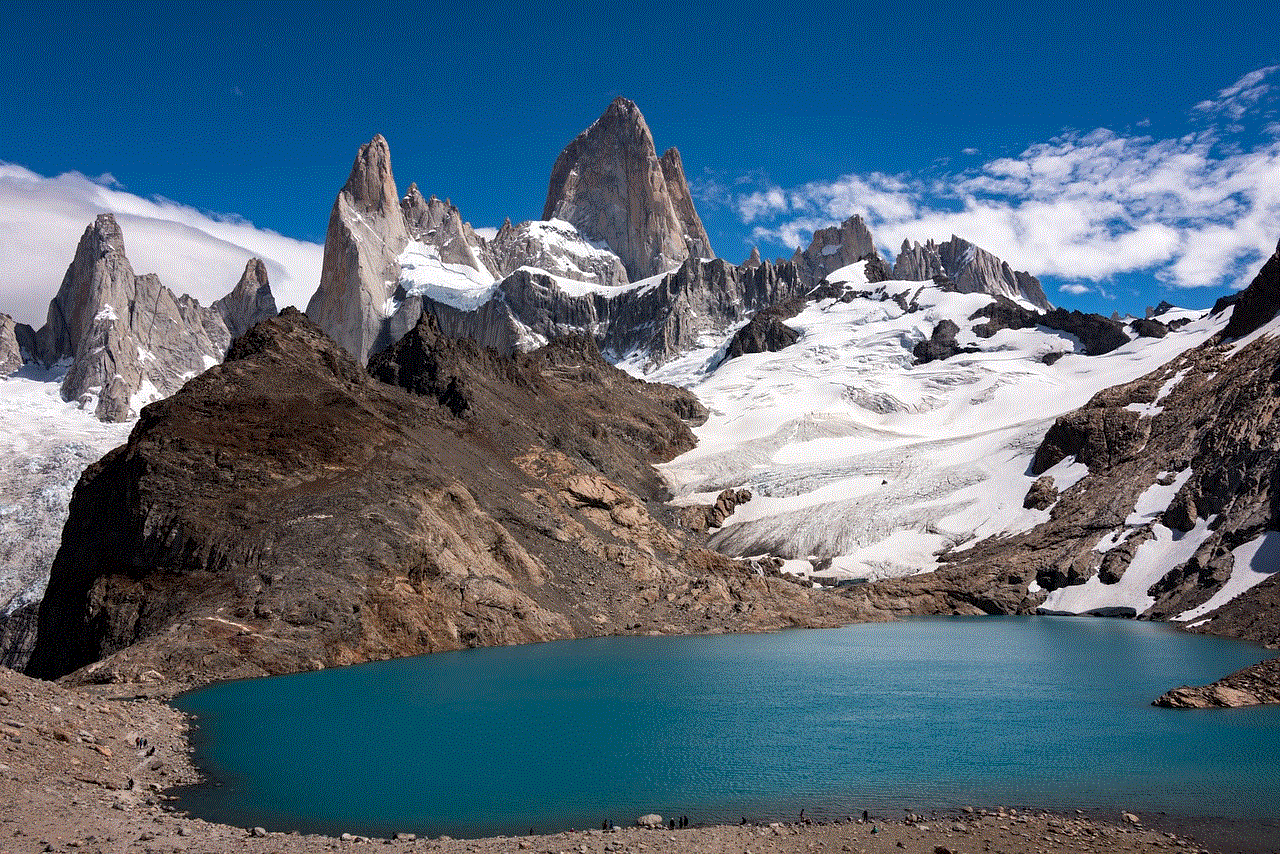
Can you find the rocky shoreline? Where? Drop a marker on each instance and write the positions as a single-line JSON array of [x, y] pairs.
[[87, 768]]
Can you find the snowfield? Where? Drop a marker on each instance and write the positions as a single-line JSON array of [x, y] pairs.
[[860, 459], [45, 444]]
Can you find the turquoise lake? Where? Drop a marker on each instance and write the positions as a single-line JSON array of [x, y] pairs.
[[922, 714]]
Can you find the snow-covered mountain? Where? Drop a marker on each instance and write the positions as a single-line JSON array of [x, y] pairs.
[[886, 419], [865, 462]]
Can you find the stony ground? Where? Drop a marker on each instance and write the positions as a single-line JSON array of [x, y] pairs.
[[85, 770]]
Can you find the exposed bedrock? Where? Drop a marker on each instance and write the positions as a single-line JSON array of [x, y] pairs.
[[611, 185], [381, 521], [129, 340]]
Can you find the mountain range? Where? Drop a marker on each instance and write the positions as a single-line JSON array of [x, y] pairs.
[[925, 436]]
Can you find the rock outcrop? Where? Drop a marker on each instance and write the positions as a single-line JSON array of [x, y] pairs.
[[969, 268], [362, 245], [1259, 302], [834, 247], [764, 333], [128, 339], [1097, 334], [941, 344], [249, 302], [610, 184], [658, 320], [440, 224], [1251, 686], [18, 622], [498, 500], [10, 350]]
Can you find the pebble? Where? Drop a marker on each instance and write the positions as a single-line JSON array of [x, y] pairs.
[[258, 832]]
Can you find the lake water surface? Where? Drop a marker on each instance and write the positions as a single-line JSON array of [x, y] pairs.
[[924, 713]]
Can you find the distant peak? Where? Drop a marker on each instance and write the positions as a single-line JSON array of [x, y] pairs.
[[255, 273], [371, 184]]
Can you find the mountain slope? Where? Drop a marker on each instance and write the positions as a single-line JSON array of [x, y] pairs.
[[502, 501], [864, 462]]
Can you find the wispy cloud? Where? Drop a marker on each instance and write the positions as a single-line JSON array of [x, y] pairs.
[[1196, 210], [1074, 288], [41, 220]]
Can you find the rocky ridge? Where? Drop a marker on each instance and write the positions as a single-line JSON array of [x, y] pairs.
[[127, 338], [502, 500], [969, 268]]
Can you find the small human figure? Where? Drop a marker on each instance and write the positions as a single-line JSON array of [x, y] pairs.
[[673, 824], [866, 816], [744, 820]]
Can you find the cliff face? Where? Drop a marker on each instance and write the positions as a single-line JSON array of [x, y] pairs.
[[610, 184], [498, 500], [365, 237]]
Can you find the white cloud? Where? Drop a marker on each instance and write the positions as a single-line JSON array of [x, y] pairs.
[[1202, 209], [1074, 288], [1236, 99], [42, 219]]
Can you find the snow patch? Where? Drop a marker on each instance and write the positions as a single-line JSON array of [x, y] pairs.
[[1151, 562], [423, 273], [1155, 499], [1254, 562]]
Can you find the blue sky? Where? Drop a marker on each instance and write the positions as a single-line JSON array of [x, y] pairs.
[[1128, 152]]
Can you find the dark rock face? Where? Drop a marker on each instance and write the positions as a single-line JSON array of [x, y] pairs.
[[661, 321], [1098, 334], [701, 517], [610, 184], [1041, 495], [18, 635], [941, 344], [286, 511], [969, 268], [1259, 302], [1149, 328], [249, 302], [765, 332]]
